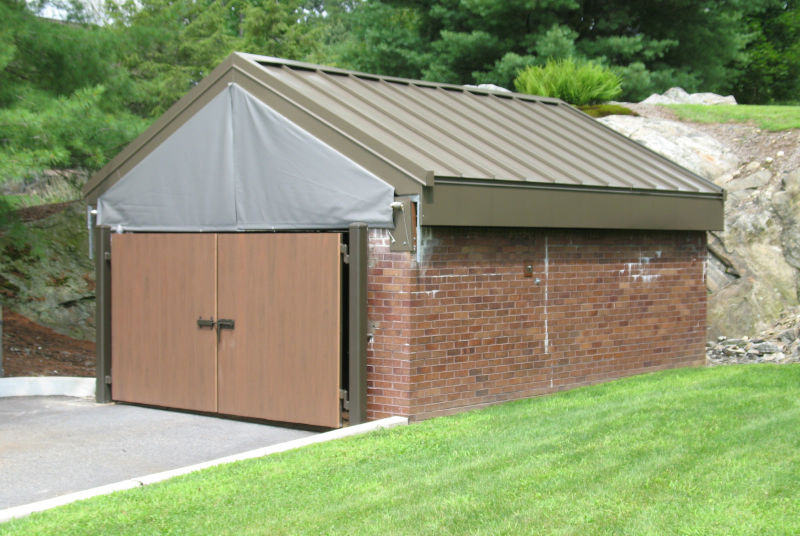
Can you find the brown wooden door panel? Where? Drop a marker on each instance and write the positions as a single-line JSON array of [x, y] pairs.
[[281, 362], [160, 285]]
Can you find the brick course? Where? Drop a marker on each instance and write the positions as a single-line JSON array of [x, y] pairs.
[[464, 327]]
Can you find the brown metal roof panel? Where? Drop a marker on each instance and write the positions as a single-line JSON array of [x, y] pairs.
[[522, 142], [535, 130], [619, 160], [349, 115], [462, 136], [435, 139], [577, 138], [667, 174], [418, 124], [570, 148], [381, 123], [619, 163], [478, 147], [270, 61]]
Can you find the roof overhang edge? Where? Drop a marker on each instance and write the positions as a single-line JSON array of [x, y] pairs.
[[452, 203]]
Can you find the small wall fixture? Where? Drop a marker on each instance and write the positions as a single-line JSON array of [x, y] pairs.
[[404, 235]]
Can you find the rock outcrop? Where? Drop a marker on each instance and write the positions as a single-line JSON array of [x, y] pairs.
[[681, 143], [753, 271], [780, 343], [677, 95], [45, 270]]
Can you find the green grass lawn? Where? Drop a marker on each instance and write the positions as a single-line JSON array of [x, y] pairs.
[[692, 451], [765, 117]]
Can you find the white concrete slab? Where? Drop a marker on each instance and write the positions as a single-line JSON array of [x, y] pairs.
[[47, 386]]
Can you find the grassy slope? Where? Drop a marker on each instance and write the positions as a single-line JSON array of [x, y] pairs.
[[700, 451], [765, 117]]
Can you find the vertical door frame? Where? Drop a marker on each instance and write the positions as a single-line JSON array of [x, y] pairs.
[[102, 267], [357, 322]]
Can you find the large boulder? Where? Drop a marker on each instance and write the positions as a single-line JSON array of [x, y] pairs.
[[753, 264], [681, 143], [678, 95]]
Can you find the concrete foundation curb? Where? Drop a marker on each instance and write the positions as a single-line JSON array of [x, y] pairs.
[[27, 509], [47, 386]]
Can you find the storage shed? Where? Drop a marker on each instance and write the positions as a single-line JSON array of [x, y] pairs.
[[306, 244]]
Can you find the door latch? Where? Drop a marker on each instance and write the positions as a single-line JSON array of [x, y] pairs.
[[224, 323], [201, 322]]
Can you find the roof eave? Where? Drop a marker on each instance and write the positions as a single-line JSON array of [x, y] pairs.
[[475, 203]]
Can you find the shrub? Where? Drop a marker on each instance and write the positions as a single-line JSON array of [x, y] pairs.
[[602, 110], [578, 82]]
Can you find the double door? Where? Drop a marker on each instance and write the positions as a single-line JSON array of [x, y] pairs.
[[245, 324]]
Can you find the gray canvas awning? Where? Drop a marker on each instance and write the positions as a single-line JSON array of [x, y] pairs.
[[237, 164]]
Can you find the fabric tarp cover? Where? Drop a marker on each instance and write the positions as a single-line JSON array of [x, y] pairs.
[[239, 165]]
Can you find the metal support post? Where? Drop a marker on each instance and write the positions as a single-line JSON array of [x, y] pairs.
[[102, 265], [357, 322]]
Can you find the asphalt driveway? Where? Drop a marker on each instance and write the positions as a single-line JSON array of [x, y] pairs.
[[54, 445]]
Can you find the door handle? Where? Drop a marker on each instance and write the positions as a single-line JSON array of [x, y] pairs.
[[224, 323], [201, 322]]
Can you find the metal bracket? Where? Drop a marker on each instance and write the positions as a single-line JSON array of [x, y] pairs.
[[107, 379], [404, 235], [343, 396], [107, 255], [203, 323], [345, 254]]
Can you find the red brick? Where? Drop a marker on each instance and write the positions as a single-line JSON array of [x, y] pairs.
[[463, 328]]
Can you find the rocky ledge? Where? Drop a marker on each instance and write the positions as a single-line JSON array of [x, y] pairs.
[[778, 344]]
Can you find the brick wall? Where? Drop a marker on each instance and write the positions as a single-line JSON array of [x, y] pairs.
[[464, 327]]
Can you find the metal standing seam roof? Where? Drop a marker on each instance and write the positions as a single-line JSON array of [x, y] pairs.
[[471, 133], [455, 146]]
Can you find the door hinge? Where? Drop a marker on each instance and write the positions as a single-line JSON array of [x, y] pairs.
[[344, 398], [107, 255], [107, 379], [345, 253]]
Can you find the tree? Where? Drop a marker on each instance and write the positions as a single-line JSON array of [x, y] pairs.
[[771, 69], [61, 97], [697, 44]]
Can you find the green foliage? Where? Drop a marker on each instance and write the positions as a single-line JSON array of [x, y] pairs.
[[772, 64], [374, 37], [505, 70], [576, 82], [772, 118], [699, 45], [50, 56], [66, 132], [693, 451], [169, 46], [556, 43], [602, 110], [73, 94]]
